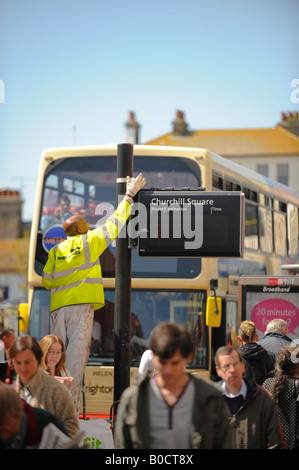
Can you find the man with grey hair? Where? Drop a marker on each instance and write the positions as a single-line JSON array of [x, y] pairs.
[[275, 336]]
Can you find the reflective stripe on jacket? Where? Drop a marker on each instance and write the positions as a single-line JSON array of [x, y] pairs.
[[73, 272]]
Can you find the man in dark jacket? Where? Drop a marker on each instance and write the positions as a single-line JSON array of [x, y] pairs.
[[254, 414], [259, 363], [172, 409], [21, 425], [275, 336]]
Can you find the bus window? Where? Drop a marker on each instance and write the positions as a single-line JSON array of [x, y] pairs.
[[39, 320], [251, 226], [60, 201], [230, 185], [217, 181], [226, 334], [280, 228], [266, 224], [251, 219], [293, 231], [149, 308], [231, 331]]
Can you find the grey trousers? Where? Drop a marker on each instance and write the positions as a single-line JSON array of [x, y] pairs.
[[73, 324]]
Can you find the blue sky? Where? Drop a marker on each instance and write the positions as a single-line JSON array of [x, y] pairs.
[[87, 63]]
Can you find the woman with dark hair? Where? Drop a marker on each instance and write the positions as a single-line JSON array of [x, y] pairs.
[[39, 389], [284, 389]]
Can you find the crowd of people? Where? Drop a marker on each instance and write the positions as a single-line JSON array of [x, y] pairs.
[[254, 406], [34, 390]]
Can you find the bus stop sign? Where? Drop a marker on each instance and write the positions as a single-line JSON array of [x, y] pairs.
[[195, 223]]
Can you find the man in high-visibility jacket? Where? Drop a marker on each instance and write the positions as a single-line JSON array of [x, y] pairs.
[[74, 276]]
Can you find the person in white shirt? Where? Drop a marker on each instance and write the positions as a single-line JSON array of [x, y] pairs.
[[146, 365]]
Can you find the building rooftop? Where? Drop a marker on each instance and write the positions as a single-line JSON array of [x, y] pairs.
[[234, 142]]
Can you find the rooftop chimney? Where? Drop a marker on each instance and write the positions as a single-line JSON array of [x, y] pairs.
[[290, 121], [132, 129], [10, 213], [179, 124]]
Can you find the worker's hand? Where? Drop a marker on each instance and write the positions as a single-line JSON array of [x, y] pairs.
[[134, 185]]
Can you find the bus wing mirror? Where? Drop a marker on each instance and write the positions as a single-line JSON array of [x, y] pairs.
[[213, 312], [23, 318]]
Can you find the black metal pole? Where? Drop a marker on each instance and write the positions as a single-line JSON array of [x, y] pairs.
[[123, 266]]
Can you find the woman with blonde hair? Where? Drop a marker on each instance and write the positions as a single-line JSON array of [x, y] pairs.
[[53, 360], [259, 363]]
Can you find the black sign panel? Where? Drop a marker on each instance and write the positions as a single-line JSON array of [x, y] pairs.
[[190, 223]]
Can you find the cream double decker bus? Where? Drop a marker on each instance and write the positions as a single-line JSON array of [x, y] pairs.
[[83, 180]]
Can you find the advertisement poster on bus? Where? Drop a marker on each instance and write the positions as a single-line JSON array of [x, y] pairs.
[[267, 302]]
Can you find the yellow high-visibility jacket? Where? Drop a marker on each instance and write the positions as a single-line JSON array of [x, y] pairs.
[[73, 272]]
